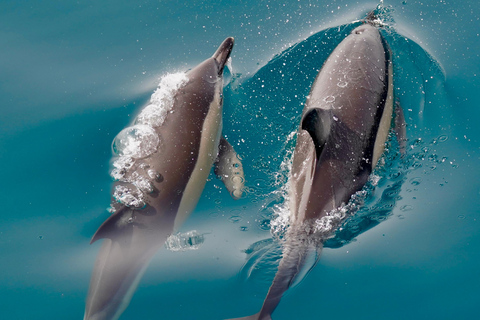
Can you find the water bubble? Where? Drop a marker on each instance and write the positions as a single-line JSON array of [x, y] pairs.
[[415, 181], [137, 141], [416, 165], [395, 175], [142, 183], [120, 167], [214, 214], [130, 197], [235, 219], [237, 179], [155, 175], [443, 138], [354, 74], [406, 208], [265, 224], [329, 99], [191, 240]]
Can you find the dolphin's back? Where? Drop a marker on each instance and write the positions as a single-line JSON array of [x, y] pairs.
[[352, 81], [342, 115]]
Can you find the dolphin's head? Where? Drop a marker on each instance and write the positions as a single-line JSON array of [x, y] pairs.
[[211, 70]]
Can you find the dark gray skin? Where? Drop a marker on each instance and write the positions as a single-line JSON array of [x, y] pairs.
[[190, 139], [342, 133]]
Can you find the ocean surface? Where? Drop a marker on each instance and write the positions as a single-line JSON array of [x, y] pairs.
[[75, 73]]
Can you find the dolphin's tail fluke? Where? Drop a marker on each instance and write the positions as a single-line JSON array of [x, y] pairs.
[[126, 251], [298, 259], [115, 277]]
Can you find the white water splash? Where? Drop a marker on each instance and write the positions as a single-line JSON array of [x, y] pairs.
[[319, 229], [162, 100], [141, 140], [280, 223], [328, 224]]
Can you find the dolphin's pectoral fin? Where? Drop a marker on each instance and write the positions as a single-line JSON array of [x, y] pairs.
[[400, 128], [230, 169], [110, 227], [317, 122]]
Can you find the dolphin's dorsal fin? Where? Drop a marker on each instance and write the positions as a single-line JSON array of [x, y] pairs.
[[110, 227], [317, 122], [230, 169]]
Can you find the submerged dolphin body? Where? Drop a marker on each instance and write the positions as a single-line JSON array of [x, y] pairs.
[[164, 161], [343, 130]]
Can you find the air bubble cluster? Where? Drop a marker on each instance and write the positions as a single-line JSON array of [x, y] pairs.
[[138, 141], [131, 197], [141, 140]]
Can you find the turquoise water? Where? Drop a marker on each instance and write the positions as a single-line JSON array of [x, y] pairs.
[[74, 74]]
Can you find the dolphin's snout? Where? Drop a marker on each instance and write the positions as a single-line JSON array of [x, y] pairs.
[[223, 53]]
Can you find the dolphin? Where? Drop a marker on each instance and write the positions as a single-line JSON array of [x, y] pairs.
[[162, 163], [341, 136]]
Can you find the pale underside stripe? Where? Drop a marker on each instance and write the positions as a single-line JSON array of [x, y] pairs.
[[385, 121], [211, 132]]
